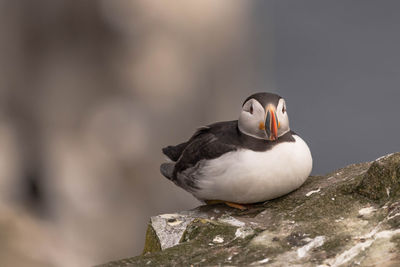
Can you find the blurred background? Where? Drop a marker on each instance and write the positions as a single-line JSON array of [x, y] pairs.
[[90, 91]]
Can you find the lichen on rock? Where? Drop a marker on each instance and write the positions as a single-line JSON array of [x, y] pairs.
[[382, 180], [345, 218]]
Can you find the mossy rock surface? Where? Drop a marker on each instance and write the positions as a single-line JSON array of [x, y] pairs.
[[350, 217]]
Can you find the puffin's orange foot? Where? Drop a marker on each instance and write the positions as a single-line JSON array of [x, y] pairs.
[[236, 205], [230, 204]]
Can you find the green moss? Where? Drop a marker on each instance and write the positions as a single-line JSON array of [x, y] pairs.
[[204, 231], [382, 180], [152, 243], [256, 253], [348, 187]]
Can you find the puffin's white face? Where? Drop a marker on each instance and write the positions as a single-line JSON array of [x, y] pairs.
[[269, 122]]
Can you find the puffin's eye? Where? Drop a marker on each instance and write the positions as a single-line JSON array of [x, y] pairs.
[[283, 109], [251, 109]]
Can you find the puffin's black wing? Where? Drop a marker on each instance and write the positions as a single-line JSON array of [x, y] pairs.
[[208, 142], [174, 152]]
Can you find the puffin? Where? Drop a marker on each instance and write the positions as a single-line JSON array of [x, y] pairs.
[[241, 162]]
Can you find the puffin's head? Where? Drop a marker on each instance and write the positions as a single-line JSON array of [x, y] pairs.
[[264, 116]]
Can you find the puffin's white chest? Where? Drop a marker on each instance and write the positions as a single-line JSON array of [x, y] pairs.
[[246, 176]]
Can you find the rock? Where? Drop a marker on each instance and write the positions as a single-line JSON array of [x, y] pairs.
[[381, 182], [346, 218]]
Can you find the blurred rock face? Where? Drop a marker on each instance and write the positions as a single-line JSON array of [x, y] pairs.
[[89, 93]]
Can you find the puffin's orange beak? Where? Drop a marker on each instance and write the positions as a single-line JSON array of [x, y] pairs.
[[271, 124]]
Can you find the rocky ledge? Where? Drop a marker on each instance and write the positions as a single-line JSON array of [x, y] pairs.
[[346, 218]]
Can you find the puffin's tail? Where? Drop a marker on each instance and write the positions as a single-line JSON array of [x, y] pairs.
[[167, 169], [174, 152]]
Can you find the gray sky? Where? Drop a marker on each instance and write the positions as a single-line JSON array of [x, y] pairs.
[[337, 63]]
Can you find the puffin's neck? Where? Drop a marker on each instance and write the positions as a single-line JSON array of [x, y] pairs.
[[247, 141]]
